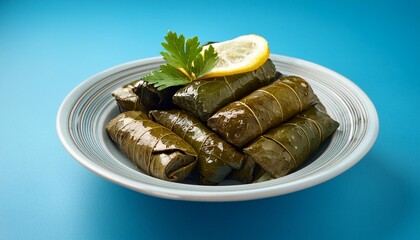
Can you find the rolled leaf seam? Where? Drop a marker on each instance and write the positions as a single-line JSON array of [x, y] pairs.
[[127, 150], [120, 129], [306, 134], [173, 175], [129, 97], [317, 128], [203, 143], [131, 151], [149, 163], [198, 90], [118, 136], [178, 118], [175, 121], [185, 132], [126, 98], [297, 95], [262, 70], [227, 161], [151, 152], [231, 90], [253, 114], [129, 94], [148, 129], [205, 83], [118, 132], [279, 143], [278, 103]]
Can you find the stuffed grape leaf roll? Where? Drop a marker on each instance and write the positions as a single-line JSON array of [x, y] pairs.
[[245, 174], [261, 175], [241, 121], [216, 158], [284, 148], [139, 95], [153, 148], [126, 99], [152, 98], [204, 97]]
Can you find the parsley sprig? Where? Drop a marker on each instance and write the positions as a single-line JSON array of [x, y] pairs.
[[184, 62]]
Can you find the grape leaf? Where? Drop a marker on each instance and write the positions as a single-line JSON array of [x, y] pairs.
[[168, 76]]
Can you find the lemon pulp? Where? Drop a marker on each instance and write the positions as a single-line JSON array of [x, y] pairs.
[[239, 55]]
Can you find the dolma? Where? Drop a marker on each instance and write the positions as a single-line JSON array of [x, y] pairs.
[[153, 148], [139, 95], [152, 98], [245, 174], [284, 148], [126, 99], [204, 97], [241, 121], [216, 158]]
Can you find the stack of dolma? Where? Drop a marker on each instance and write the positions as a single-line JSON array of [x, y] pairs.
[[216, 158], [250, 127]]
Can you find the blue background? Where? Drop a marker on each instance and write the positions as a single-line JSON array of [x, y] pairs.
[[48, 48]]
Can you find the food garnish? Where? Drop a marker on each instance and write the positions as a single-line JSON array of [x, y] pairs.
[[185, 61], [239, 55]]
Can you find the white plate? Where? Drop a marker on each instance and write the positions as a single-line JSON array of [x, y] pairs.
[[84, 113]]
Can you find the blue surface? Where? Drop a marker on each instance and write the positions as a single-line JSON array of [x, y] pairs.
[[48, 48]]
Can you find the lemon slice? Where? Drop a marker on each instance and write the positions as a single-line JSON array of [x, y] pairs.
[[239, 55]]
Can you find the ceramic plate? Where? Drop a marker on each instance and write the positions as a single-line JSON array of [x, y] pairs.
[[84, 113]]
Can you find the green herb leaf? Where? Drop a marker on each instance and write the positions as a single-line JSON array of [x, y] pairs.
[[167, 77], [184, 62], [203, 64]]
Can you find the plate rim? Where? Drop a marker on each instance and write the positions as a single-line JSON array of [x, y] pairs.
[[230, 194]]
